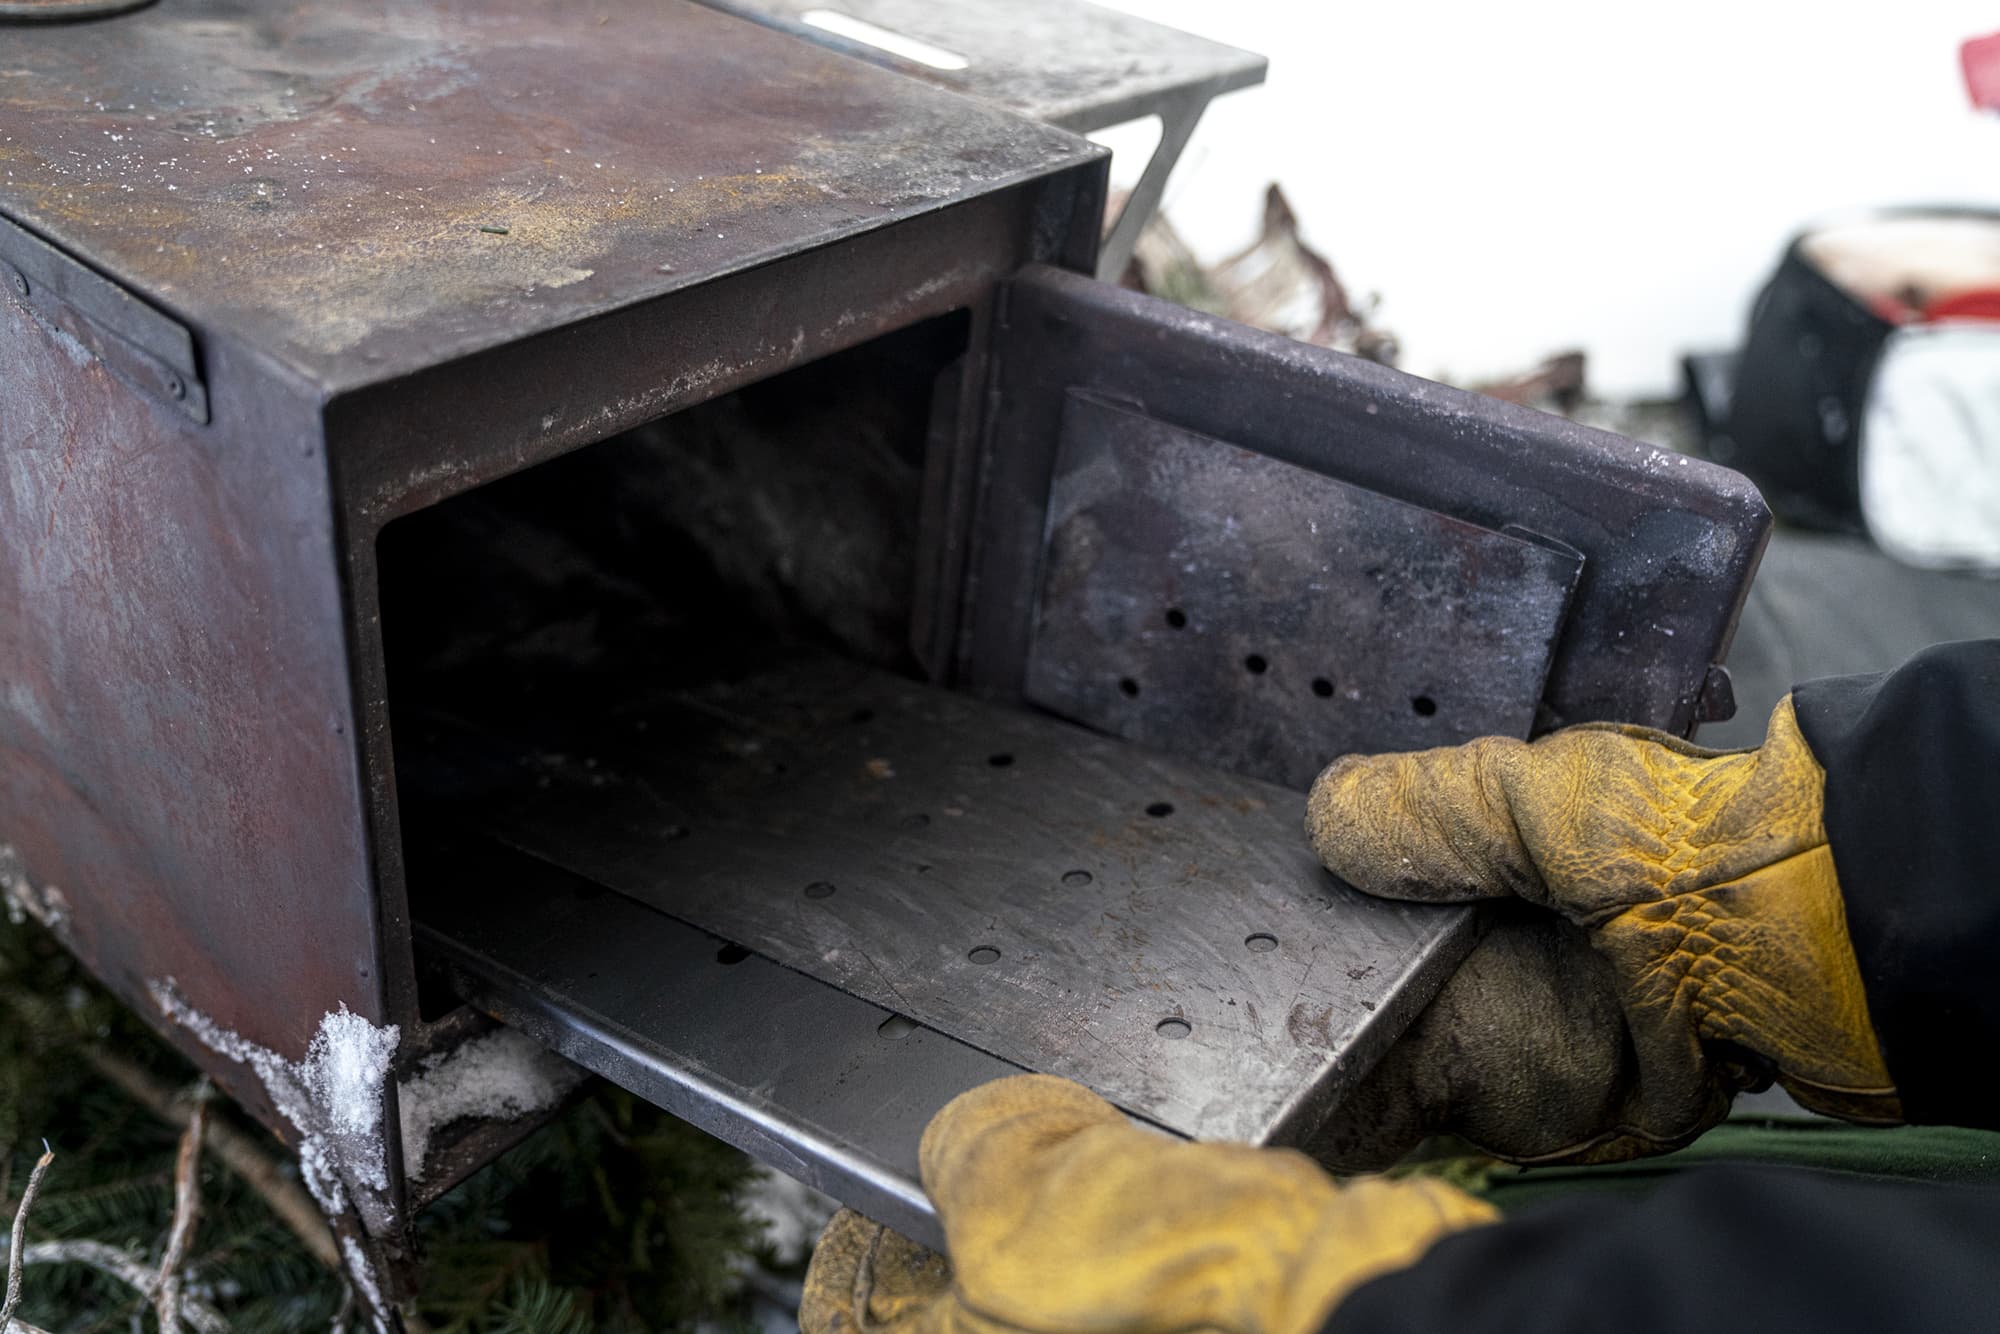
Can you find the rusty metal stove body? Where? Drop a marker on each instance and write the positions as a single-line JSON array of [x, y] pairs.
[[390, 401]]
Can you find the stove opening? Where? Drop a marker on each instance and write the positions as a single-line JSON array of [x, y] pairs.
[[538, 624]]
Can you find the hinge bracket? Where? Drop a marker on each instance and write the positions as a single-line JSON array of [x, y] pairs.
[[140, 344]]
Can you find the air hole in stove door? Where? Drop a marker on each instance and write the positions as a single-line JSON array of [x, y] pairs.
[[1290, 569]]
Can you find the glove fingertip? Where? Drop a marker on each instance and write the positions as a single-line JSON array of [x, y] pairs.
[[1033, 1109], [1405, 826]]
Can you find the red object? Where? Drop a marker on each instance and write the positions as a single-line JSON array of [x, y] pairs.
[[1980, 59], [1980, 303]]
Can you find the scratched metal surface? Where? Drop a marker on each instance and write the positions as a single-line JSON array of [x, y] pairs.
[[1068, 62], [881, 836], [1263, 618], [177, 765], [330, 181]]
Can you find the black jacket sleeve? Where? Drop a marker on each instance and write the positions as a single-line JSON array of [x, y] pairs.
[[1762, 1250], [1912, 763]]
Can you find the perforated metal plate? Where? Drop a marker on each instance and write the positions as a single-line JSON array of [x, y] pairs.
[[1067, 902], [1221, 603]]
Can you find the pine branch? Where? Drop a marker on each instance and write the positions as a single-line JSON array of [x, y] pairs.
[[16, 1243], [187, 1214], [257, 1169]]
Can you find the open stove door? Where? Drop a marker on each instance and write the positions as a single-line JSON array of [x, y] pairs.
[[1140, 458], [1174, 567]]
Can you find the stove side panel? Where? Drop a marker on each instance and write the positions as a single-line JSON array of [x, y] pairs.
[[179, 798]]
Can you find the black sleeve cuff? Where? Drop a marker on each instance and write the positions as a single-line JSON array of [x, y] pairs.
[[1761, 1250], [1912, 761]]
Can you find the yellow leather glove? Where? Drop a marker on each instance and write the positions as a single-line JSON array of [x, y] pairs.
[[1062, 1215], [1686, 928]]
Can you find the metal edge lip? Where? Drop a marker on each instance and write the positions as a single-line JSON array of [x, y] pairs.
[[64, 11], [615, 1051], [344, 378], [1087, 118], [1221, 68], [1424, 975]]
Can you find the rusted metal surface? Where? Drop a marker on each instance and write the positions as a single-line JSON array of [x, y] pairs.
[[1669, 543], [1219, 604], [406, 444], [1067, 62], [364, 191], [177, 758], [394, 253]]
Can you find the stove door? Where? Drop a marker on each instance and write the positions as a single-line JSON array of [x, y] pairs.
[[1184, 531]]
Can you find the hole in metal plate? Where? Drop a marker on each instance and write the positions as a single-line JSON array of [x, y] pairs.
[[731, 954], [984, 954], [1261, 943], [819, 889], [1076, 878], [1160, 810], [1423, 706], [896, 1027], [1175, 1029]]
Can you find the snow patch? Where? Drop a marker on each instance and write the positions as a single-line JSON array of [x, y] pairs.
[[793, 1213], [346, 1068], [46, 905], [500, 1076], [333, 1099], [362, 1275]]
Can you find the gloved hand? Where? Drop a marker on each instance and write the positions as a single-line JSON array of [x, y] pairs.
[[1062, 1215], [1682, 933]]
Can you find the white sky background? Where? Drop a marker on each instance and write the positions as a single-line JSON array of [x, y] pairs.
[[1520, 178]]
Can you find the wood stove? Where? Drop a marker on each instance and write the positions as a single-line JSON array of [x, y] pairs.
[[620, 522]]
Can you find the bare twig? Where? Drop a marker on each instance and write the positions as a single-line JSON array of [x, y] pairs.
[[238, 1152], [114, 1263], [187, 1214], [18, 1242], [105, 1259], [340, 1316]]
